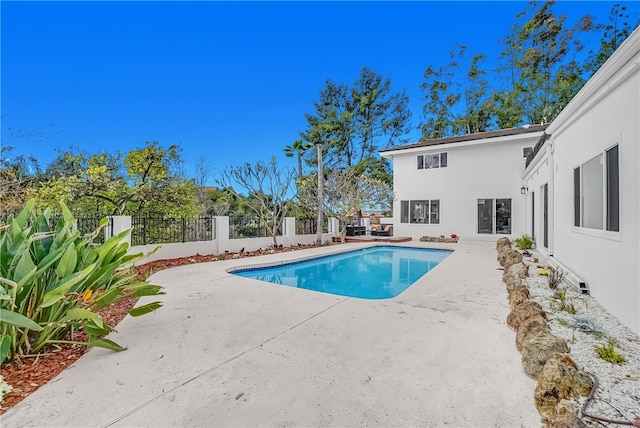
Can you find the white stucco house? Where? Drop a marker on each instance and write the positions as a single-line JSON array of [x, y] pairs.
[[468, 185], [574, 185], [590, 165]]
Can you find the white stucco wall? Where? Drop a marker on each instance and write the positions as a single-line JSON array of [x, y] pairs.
[[609, 262], [490, 168], [220, 243], [537, 175], [175, 250]]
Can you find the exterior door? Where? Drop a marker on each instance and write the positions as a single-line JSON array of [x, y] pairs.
[[494, 216], [485, 215], [533, 215], [503, 216]]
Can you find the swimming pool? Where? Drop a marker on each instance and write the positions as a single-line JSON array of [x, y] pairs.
[[379, 272]]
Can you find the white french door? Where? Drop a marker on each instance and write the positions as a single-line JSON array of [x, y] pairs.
[[494, 216]]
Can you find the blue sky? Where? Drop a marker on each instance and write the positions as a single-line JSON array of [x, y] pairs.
[[230, 81]]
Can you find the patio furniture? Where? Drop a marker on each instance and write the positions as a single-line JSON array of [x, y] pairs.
[[353, 230], [382, 230]]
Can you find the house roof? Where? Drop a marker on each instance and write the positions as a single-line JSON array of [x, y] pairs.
[[470, 137]]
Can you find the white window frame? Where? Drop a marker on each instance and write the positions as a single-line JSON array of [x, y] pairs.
[[437, 160], [430, 209], [603, 230]]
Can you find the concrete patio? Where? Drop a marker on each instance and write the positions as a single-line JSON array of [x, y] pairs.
[[229, 351]]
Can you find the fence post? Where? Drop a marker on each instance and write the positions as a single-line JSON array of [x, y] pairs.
[[366, 222], [222, 233], [289, 226], [117, 224], [333, 225]]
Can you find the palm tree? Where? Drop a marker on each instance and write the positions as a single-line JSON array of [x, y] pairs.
[[297, 149], [320, 196]]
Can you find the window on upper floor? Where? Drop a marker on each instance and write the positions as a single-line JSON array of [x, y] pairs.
[[596, 192], [435, 160], [526, 151]]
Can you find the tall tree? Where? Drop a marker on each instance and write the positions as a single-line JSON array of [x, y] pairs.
[[20, 175], [19, 180], [538, 46], [613, 34], [457, 100], [268, 187], [320, 221], [381, 116], [141, 182], [202, 173], [354, 122], [297, 150]]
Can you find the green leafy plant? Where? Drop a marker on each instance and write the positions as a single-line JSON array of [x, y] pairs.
[[608, 353], [53, 281], [554, 277], [563, 322], [525, 242], [562, 302]]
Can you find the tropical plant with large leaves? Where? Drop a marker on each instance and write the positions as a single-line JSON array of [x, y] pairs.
[[53, 281]]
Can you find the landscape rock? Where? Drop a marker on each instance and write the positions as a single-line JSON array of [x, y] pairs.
[[509, 257], [539, 348], [531, 327], [517, 295], [443, 239], [512, 282], [559, 380], [524, 310], [568, 420], [517, 270], [567, 406], [503, 244]]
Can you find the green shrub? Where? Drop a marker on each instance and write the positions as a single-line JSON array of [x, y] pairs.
[[524, 242], [562, 302], [53, 281], [608, 353]]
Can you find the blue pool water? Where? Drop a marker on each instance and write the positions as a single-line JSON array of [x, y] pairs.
[[371, 273]]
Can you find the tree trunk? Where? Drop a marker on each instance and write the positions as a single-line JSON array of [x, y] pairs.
[[320, 196], [274, 235]]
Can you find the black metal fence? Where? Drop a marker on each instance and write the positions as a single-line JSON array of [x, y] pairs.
[[90, 224], [164, 230], [85, 225], [241, 226], [157, 229], [308, 226]]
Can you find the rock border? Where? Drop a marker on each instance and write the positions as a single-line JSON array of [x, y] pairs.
[[442, 239], [545, 356]]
